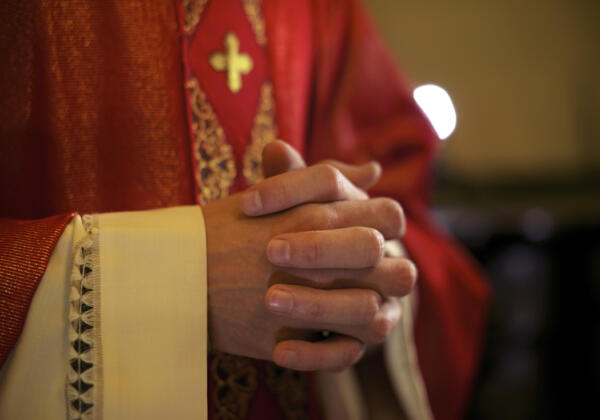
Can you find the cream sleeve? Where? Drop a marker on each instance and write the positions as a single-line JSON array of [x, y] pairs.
[[117, 328]]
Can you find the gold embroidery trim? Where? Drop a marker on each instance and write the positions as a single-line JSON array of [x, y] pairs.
[[215, 165], [235, 384], [257, 21], [235, 377], [290, 388], [264, 131], [192, 10]]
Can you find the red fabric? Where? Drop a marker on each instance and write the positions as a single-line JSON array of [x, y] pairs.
[[93, 118], [19, 276], [363, 109], [92, 111], [450, 320], [235, 111], [291, 59]]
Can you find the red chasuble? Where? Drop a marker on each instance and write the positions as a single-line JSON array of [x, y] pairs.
[[133, 105]]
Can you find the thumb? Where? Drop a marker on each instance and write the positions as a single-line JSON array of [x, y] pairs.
[[362, 176], [279, 157]]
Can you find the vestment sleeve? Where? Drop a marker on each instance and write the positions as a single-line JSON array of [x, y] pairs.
[[118, 322], [25, 248], [362, 110]]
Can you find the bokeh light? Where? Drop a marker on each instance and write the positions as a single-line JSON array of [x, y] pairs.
[[438, 107]]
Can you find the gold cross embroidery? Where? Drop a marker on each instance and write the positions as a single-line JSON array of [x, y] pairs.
[[231, 61]]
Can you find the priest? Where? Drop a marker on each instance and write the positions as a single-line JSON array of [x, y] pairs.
[[124, 259]]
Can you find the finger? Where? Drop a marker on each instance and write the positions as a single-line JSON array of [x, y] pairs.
[[360, 313], [353, 247], [384, 214], [382, 325], [334, 354], [279, 157], [318, 309], [317, 183], [391, 277], [363, 176]]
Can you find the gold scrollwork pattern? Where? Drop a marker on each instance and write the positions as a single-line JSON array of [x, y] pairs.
[[290, 388], [235, 377], [192, 9], [215, 165], [235, 383], [257, 21], [263, 132]]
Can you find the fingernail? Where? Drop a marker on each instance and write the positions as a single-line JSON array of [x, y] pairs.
[[251, 202], [278, 251], [281, 301], [288, 358]]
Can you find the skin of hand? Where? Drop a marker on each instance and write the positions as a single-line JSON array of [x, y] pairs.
[[332, 246], [279, 158]]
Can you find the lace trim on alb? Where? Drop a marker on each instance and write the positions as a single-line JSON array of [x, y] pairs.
[[84, 370]]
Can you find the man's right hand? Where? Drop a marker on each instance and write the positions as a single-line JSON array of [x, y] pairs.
[[332, 243]]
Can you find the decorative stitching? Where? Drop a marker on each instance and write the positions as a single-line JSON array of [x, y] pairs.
[[85, 371], [257, 21], [235, 377], [264, 131], [192, 10], [290, 387], [235, 384], [215, 167]]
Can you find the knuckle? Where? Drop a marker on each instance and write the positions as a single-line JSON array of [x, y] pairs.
[[411, 273], [394, 216], [351, 356], [406, 271], [327, 217], [333, 179], [329, 162], [374, 244], [370, 308], [381, 329], [357, 353]]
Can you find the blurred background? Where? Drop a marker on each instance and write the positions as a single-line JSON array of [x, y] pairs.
[[518, 183]]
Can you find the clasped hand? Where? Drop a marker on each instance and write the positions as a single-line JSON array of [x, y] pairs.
[[299, 253]]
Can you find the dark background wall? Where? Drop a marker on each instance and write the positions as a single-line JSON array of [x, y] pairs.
[[519, 184]]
